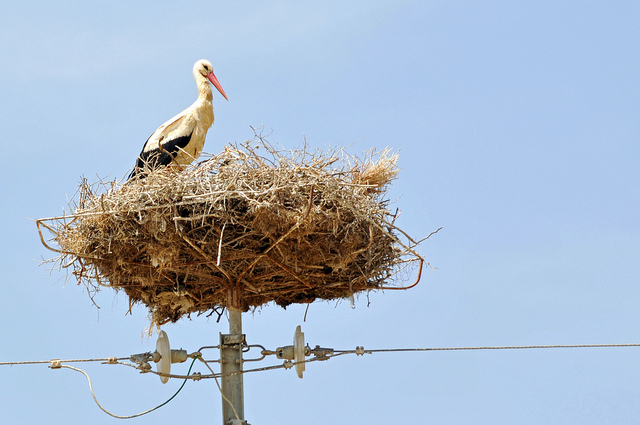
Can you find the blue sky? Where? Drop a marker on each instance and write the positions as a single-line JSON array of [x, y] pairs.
[[517, 125]]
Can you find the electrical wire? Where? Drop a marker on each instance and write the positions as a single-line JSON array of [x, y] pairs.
[[235, 412], [108, 359], [362, 351], [117, 360], [503, 347], [137, 414], [283, 366], [286, 365]]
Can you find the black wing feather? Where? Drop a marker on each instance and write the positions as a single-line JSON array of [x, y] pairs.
[[161, 157]]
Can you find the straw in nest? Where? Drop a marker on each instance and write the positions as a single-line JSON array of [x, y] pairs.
[[243, 228]]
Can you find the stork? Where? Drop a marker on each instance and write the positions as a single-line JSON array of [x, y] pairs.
[[179, 141]]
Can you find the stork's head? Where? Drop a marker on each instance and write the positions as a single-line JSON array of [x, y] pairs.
[[204, 68]]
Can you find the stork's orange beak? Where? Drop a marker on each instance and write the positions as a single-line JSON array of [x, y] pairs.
[[216, 84]]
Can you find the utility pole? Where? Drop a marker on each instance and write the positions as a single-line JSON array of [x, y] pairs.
[[231, 368]]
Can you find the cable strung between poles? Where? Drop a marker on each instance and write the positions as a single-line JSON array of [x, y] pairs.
[[504, 347]]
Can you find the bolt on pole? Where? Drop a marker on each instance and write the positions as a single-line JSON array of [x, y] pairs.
[[231, 368]]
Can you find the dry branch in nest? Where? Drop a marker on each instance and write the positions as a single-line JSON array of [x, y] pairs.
[[248, 226]]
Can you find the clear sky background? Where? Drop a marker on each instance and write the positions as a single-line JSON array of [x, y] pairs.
[[518, 126]]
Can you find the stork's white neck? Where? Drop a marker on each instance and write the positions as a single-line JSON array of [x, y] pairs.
[[204, 88]]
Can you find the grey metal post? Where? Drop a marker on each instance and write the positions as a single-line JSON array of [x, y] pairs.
[[230, 362]]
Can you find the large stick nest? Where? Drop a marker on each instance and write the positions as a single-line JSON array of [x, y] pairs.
[[248, 226]]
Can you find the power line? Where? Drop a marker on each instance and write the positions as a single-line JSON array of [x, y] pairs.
[[358, 350], [318, 354], [129, 416], [361, 350], [110, 360]]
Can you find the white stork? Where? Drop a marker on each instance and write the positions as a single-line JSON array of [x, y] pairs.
[[179, 141]]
